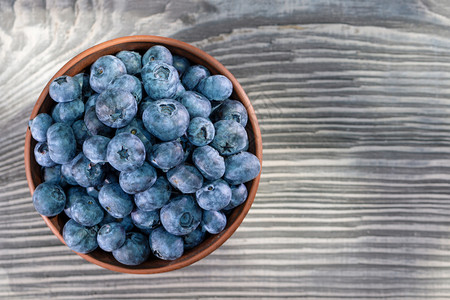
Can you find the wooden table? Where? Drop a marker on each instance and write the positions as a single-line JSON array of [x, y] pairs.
[[353, 103]]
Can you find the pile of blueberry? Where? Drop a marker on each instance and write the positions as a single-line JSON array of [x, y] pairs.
[[144, 154]]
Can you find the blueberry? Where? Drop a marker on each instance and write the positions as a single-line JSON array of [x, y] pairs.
[[86, 211], [94, 148], [166, 155], [134, 251], [241, 167], [67, 168], [215, 87], [138, 180], [230, 137], [116, 108], [214, 221], [160, 80], [83, 80], [238, 196], [111, 236], [54, 175], [87, 173], [61, 143], [49, 199], [73, 195], [79, 238], [125, 152], [231, 110], [180, 63], [104, 70], [166, 119], [128, 83], [196, 104], [39, 126], [181, 215], [185, 178], [131, 60], [68, 112], [145, 219], [164, 245], [180, 91], [194, 238], [80, 131], [200, 131], [209, 162], [94, 125], [92, 100], [42, 156], [157, 53], [115, 201], [64, 89], [214, 195], [136, 127], [193, 75], [155, 197]]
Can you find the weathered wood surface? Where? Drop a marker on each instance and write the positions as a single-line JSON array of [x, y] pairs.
[[353, 103]]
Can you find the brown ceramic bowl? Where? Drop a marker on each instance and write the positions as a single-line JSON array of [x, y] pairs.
[[140, 44]]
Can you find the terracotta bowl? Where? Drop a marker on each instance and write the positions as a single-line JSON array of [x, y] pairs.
[[140, 44]]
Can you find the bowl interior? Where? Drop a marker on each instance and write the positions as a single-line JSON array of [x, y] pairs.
[[81, 63]]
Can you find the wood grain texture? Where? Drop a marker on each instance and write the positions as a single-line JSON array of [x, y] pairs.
[[353, 103]]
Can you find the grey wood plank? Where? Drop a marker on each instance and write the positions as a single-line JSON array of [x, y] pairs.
[[352, 99]]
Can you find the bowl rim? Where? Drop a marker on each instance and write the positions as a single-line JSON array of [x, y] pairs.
[[241, 95]]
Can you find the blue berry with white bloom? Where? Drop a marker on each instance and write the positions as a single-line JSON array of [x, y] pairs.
[[145, 219], [214, 221], [196, 104], [181, 215], [125, 152], [209, 162], [155, 197], [80, 238], [193, 75], [64, 89], [241, 167], [215, 87], [49, 199], [132, 61], [94, 148], [104, 70], [111, 236], [157, 53], [214, 195], [164, 245], [116, 108], [200, 131], [134, 251], [42, 156], [115, 201], [160, 80], [39, 126], [166, 119], [138, 180], [230, 137], [186, 178], [166, 155]]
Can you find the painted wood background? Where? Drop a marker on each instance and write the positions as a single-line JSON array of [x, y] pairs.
[[353, 99]]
